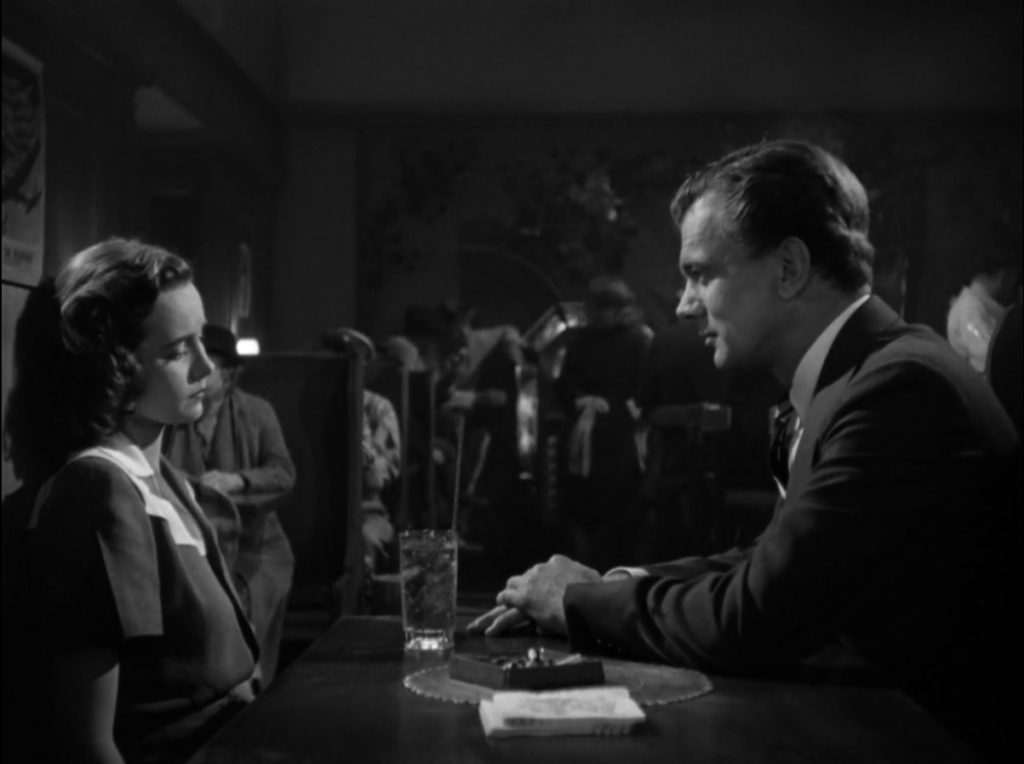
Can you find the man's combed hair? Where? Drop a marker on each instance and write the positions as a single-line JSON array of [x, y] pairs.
[[780, 189], [75, 372]]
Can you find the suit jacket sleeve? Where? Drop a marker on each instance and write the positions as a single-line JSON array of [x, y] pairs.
[[885, 465], [690, 567]]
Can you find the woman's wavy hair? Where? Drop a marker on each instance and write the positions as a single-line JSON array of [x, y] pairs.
[[75, 372]]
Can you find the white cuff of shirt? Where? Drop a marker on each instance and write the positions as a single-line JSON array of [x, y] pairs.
[[615, 574]]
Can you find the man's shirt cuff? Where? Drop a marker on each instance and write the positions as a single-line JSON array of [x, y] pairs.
[[622, 572]]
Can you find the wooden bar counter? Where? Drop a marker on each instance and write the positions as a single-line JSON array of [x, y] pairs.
[[343, 700]]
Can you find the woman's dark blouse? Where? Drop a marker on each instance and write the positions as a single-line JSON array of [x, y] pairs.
[[112, 564]]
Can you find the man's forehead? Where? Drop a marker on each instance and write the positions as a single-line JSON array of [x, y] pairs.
[[705, 215], [701, 227]]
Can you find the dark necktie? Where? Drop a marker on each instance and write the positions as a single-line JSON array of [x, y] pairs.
[[783, 416]]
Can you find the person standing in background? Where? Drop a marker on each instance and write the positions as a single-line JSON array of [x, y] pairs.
[[485, 393], [975, 311], [238, 449], [600, 380]]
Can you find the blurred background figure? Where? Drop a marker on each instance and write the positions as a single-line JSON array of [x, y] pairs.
[[706, 482], [415, 372], [427, 342], [478, 344], [679, 372], [381, 448], [484, 393], [975, 311], [600, 380], [237, 448]]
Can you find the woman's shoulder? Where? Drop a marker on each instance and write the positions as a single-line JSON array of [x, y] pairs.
[[92, 486], [92, 470]]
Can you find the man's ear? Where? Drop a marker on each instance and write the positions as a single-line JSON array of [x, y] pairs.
[[794, 267]]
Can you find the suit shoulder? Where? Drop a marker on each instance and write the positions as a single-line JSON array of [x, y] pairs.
[[919, 370], [922, 350]]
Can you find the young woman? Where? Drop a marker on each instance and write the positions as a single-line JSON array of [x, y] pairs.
[[137, 642]]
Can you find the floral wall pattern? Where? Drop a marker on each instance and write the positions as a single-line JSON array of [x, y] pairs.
[[571, 201]]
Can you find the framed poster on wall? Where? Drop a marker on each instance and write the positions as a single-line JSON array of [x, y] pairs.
[[24, 178]]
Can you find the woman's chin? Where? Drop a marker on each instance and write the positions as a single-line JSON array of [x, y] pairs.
[[191, 414]]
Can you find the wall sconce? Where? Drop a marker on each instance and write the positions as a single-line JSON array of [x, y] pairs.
[[247, 346]]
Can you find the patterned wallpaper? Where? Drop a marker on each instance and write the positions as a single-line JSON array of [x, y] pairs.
[[556, 204]]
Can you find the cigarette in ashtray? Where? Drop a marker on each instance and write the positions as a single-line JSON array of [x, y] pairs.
[[538, 657]]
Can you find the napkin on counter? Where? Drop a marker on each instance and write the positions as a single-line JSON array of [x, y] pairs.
[[578, 711]]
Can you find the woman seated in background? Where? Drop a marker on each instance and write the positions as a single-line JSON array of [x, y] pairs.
[[131, 641]]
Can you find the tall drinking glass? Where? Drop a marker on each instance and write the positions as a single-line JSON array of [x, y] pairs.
[[428, 566]]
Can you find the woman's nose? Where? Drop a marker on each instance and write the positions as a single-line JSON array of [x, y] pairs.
[[203, 366]]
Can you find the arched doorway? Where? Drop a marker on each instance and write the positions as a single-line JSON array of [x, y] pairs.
[[505, 287]]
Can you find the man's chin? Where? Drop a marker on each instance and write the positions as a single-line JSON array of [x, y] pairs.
[[730, 362]]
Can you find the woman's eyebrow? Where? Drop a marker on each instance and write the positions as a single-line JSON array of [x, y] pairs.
[[178, 340]]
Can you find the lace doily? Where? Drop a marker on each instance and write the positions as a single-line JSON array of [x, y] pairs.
[[649, 684]]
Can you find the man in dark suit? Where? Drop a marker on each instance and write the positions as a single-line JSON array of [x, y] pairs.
[[888, 533]]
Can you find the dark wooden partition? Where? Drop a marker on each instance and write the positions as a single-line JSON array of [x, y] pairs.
[[318, 398]]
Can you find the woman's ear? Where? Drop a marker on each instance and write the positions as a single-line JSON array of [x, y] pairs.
[[794, 267]]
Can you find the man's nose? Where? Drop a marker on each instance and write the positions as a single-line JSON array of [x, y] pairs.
[[690, 305]]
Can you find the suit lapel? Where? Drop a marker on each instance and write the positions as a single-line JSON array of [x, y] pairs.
[[873, 325]]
